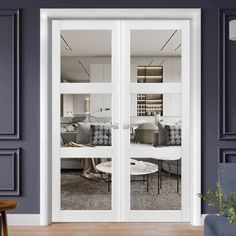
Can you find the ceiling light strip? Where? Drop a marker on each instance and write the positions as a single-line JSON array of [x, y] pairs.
[[168, 40], [67, 45], [162, 63], [84, 68], [150, 62], [178, 47]]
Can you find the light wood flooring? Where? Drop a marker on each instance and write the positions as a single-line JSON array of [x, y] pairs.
[[109, 229]]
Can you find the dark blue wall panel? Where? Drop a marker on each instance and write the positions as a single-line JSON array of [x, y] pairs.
[[9, 75], [227, 77], [10, 171], [30, 53]]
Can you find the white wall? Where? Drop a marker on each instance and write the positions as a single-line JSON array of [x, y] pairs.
[[100, 73], [71, 70], [172, 74], [68, 109], [79, 103]]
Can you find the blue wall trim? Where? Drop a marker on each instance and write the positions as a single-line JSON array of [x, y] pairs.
[[13, 171], [225, 133], [10, 110]]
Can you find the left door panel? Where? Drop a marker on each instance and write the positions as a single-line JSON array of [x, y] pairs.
[[85, 120]]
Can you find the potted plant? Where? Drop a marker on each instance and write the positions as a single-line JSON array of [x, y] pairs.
[[225, 203]]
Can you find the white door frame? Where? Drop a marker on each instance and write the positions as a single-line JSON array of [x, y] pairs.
[[46, 17], [120, 210]]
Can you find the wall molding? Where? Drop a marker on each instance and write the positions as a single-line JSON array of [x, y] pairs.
[[23, 219], [223, 133], [14, 131], [14, 154], [223, 152]]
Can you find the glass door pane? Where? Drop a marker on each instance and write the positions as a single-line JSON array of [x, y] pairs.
[[86, 122], [155, 56], [86, 184], [83, 113], [84, 58], [147, 192]]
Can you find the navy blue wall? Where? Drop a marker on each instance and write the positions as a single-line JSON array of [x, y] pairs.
[[30, 81]]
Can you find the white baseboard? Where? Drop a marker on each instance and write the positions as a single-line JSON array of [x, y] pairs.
[[34, 219], [23, 219]]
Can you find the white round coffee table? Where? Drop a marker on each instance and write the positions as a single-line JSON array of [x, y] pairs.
[[142, 168]]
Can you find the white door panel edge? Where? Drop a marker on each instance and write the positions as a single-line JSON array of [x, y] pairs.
[[59, 152]]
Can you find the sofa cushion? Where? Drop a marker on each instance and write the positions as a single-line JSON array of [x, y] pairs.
[[68, 137], [173, 135], [94, 119], [162, 131], [100, 135], [83, 133], [218, 226], [145, 133]]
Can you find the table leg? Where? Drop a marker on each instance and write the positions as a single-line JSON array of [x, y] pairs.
[[109, 183], [147, 183], [177, 176], [4, 223], [159, 176]]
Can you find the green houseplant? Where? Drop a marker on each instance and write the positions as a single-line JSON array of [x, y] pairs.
[[225, 203]]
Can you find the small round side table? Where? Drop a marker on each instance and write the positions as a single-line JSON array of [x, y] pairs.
[[6, 205]]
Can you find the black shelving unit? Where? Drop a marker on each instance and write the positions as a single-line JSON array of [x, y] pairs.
[[149, 104]]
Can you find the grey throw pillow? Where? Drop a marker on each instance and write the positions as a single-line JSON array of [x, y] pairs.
[[83, 133], [173, 135], [100, 135]]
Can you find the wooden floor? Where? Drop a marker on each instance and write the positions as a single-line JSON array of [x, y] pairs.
[[109, 229]]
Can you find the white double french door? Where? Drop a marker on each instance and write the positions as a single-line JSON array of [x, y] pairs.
[[110, 75]]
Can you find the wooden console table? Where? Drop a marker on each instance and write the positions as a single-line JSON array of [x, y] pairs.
[[6, 205]]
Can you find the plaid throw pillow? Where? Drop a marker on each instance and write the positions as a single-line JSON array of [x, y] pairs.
[[173, 135], [100, 135]]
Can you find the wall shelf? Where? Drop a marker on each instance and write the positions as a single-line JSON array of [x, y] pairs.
[[149, 104]]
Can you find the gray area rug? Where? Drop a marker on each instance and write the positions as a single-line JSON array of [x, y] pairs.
[[78, 193]]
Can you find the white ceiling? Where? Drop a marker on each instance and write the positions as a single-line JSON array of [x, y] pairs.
[[98, 43], [150, 42]]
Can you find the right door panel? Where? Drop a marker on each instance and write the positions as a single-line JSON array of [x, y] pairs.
[[153, 109]]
